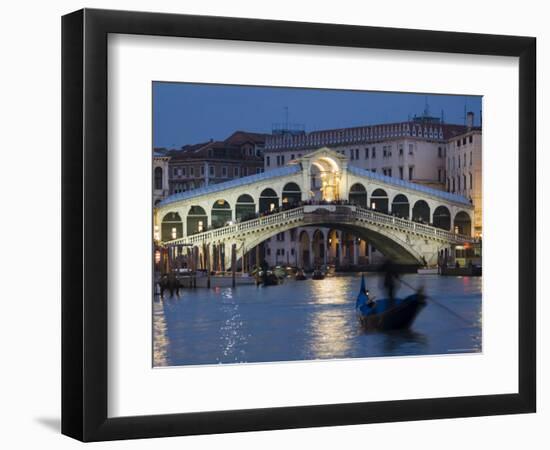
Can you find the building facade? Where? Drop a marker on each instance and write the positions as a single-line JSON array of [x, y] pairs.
[[464, 170], [199, 165], [161, 187]]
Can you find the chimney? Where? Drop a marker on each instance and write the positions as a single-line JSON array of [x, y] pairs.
[[470, 120]]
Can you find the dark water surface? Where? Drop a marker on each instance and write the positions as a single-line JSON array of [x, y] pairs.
[[305, 320]]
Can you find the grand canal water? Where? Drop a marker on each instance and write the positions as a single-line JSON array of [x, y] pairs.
[[305, 320]]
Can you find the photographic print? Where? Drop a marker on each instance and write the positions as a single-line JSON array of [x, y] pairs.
[[297, 224]]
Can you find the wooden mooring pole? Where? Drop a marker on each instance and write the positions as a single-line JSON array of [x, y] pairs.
[[233, 263]]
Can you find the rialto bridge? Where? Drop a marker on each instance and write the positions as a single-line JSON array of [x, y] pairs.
[[408, 222]]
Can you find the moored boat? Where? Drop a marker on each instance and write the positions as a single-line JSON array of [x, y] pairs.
[[318, 275], [387, 314], [300, 275]]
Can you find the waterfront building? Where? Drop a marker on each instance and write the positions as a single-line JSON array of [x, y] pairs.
[[199, 165], [423, 150], [464, 165], [161, 187]]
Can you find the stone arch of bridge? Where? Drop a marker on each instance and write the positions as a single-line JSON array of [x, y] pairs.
[[390, 244]]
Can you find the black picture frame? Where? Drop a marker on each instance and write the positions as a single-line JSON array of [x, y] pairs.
[[84, 224]]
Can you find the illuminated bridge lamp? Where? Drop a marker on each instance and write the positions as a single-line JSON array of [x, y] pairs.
[[174, 233], [373, 205], [271, 206], [200, 226], [157, 256]]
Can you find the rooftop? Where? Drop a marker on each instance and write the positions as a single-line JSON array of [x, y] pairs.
[[237, 182], [409, 185]]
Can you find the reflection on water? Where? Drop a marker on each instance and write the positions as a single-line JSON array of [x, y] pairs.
[[305, 320], [160, 341]]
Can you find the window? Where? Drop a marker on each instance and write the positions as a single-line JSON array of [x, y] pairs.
[[439, 152], [351, 154], [175, 172], [458, 143], [400, 149], [293, 235], [470, 158], [411, 172], [411, 148], [464, 141], [458, 180], [471, 181], [373, 152], [211, 170], [389, 172], [464, 163], [268, 251], [366, 153], [401, 172], [224, 171], [267, 161], [384, 152], [183, 171], [356, 153], [459, 161], [374, 170], [292, 156], [464, 177], [192, 171], [259, 169], [158, 178], [202, 170], [470, 139], [235, 171], [292, 251], [281, 237], [282, 160], [439, 175]]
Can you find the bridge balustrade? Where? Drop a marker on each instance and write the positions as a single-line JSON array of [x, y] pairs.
[[346, 212]]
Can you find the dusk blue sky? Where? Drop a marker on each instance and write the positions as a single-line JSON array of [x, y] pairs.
[[191, 113]]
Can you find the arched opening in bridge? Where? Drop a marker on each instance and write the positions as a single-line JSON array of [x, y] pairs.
[[358, 195], [221, 213], [379, 201], [333, 246], [197, 220], [318, 248], [304, 254], [442, 218], [171, 227], [325, 179], [292, 195], [400, 206], [268, 200], [421, 212], [245, 208], [463, 223], [158, 178]]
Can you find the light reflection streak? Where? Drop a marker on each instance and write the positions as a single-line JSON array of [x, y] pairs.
[[161, 342], [232, 334], [329, 327]]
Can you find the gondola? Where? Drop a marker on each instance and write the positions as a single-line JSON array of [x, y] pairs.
[[300, 275], [386, 315], [318, 275]]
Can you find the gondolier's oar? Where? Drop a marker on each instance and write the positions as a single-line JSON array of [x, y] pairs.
[[433, 300]]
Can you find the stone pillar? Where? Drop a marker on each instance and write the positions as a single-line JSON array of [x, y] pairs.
[[311, 261], [355, 251]]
